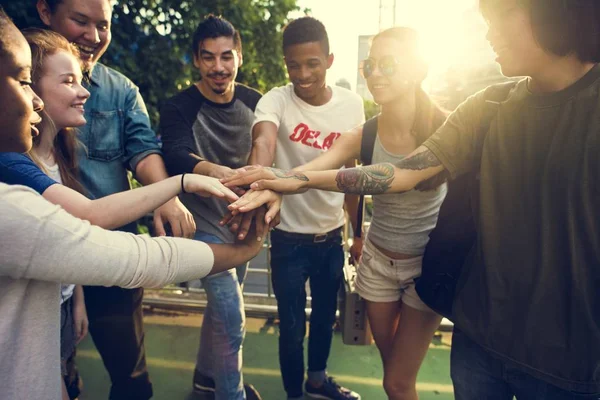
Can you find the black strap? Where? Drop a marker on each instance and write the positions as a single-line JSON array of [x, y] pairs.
[[367, 144]]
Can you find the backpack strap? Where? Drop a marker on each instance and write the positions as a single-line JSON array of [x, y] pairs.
[[367, 144]]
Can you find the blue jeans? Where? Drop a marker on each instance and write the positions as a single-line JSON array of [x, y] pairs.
[[293, 261], [476, 375], [223, 329]]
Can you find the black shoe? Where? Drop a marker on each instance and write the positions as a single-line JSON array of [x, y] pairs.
[[330, 390], [205, 386], [251, 392]]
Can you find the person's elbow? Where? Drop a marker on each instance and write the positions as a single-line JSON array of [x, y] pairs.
[[265, 144], [99, 219], [404, 181]]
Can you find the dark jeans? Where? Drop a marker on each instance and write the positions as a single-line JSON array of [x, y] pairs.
[[477, 375], [293, 261], [117, 328]]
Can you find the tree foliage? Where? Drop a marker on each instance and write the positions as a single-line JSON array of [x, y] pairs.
[[152, 41], [371, 109]]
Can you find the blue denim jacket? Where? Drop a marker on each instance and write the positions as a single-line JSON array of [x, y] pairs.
[[117, 135]]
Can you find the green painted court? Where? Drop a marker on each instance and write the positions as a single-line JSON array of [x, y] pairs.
[[171, 345]]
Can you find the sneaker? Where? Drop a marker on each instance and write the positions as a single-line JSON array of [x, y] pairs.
[[251, 392], [205, 386], [330, 390]]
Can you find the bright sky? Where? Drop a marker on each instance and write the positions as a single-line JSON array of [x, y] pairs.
[[452, 32]]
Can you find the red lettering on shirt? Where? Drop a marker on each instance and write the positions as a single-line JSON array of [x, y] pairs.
[[328, 142], [308, 137], [299, 132]]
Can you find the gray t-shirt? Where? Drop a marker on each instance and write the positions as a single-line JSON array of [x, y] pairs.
[[218, 133]]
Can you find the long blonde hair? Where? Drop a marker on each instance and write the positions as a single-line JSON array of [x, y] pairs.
[[45, 43]]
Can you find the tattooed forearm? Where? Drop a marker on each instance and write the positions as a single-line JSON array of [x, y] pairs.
[[374, 179], [284, 174], [423, 160]]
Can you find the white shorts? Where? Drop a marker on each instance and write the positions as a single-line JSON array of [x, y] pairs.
[[382, 279]]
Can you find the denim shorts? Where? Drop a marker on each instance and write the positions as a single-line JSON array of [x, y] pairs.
[[382, 279]]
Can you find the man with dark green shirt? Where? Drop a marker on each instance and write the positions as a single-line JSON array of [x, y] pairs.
[[527, 302]]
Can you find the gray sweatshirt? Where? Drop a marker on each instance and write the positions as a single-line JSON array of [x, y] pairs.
[[42, 245]]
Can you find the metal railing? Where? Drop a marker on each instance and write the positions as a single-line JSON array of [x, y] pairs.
[[186, 298]]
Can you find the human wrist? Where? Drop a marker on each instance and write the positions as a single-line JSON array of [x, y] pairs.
[[204, 168], [183, 183]]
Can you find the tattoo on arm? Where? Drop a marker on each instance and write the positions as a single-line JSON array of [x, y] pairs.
[[373, 179], [284, 174], [423, 160]]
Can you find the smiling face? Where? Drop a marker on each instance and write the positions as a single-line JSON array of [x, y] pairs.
[[19, 105], [60, 88], [218, 62], [511, 36], [307, 65], [86, 23], [400, 77]]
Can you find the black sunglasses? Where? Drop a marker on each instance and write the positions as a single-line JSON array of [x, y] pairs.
[[387, 66]]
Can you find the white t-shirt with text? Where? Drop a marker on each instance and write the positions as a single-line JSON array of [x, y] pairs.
[[304, 132]]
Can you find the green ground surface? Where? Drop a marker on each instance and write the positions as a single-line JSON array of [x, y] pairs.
[[171, 350]]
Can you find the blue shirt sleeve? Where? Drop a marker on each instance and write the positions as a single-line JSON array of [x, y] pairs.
[[18, 169]]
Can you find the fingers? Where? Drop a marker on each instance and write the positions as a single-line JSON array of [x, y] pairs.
[[176, 228], [245, 225], [228, 193], [265, 184], [242, 178], [262, 228], [272, 213], [275, 221], [226, 219], [237, 190], [189, 226], [81, 330], [159, 228], [234, 225]]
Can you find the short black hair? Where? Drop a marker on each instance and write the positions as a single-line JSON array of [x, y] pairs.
[[305, 30], [561, 27], [213, 27]]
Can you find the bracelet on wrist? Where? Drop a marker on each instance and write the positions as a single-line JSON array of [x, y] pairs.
[[182, 185]]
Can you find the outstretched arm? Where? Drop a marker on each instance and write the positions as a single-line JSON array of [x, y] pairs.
[[42, 241], [121, 208], [420, 165]]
